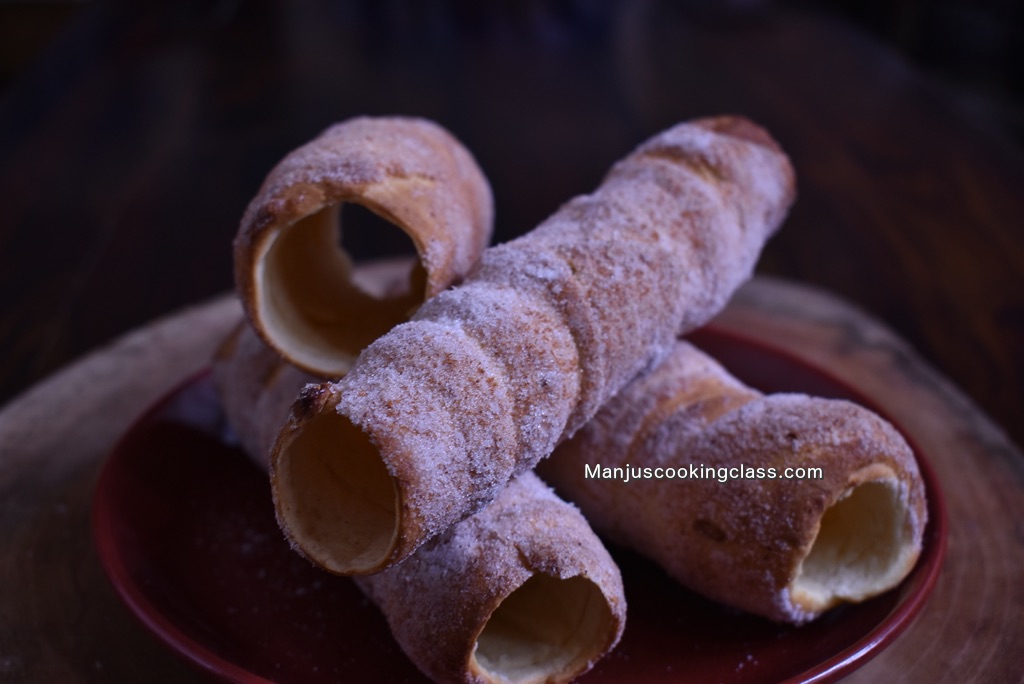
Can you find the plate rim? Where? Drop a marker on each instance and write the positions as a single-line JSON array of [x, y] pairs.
[[192, 652], [928, 566], [102, 521]]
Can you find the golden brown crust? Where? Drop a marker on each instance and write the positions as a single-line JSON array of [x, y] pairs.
[[257, 389], [787, 549], [294, 279], [440, 601], [489, 376], [522, 591]]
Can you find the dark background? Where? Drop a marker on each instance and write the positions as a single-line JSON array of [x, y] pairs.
[[977, 48], [133, 134]]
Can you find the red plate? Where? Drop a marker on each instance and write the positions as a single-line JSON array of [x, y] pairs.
[[185, 530]]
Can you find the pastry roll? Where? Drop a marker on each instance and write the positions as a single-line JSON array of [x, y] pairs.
[[688, 466], [295, 280], [257, 386], [438, 415], [522, 591]]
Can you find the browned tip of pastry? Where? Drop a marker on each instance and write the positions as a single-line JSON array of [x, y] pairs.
[[861, 518], [739, 127], [295, 279], [549, 629], [867, 542], [332, 490]]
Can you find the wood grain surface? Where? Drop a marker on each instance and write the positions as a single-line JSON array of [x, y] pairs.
[[61, 621], [971, 630], [129, 150]]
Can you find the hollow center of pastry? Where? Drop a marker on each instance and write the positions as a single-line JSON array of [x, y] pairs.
[[337, 498], [862, 548], [546, 627], [311, 304]]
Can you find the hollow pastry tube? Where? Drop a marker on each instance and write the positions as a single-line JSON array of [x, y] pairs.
[[437, 416], [522, 591], [293, 276], [258, 386], [688, 466]]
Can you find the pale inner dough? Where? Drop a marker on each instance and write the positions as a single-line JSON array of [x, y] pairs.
[[863, 547], [337, 495], [545, 627], [309, 303]]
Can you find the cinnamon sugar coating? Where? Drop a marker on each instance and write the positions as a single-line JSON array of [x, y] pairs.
[[523, 588], [439, 601], [293, 276], [787, 549], [489, 376], [257, 389]]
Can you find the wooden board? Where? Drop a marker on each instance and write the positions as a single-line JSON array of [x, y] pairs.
[[60, 620]]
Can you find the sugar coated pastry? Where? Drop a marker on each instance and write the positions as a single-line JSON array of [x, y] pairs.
[[294, 278], [688, 466], [256, 389], [438, 415], [522, 591]]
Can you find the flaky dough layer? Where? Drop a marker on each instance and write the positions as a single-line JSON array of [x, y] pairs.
[[787, 549], [292, 274], [491, 375], [522, 591], [256, 389]]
